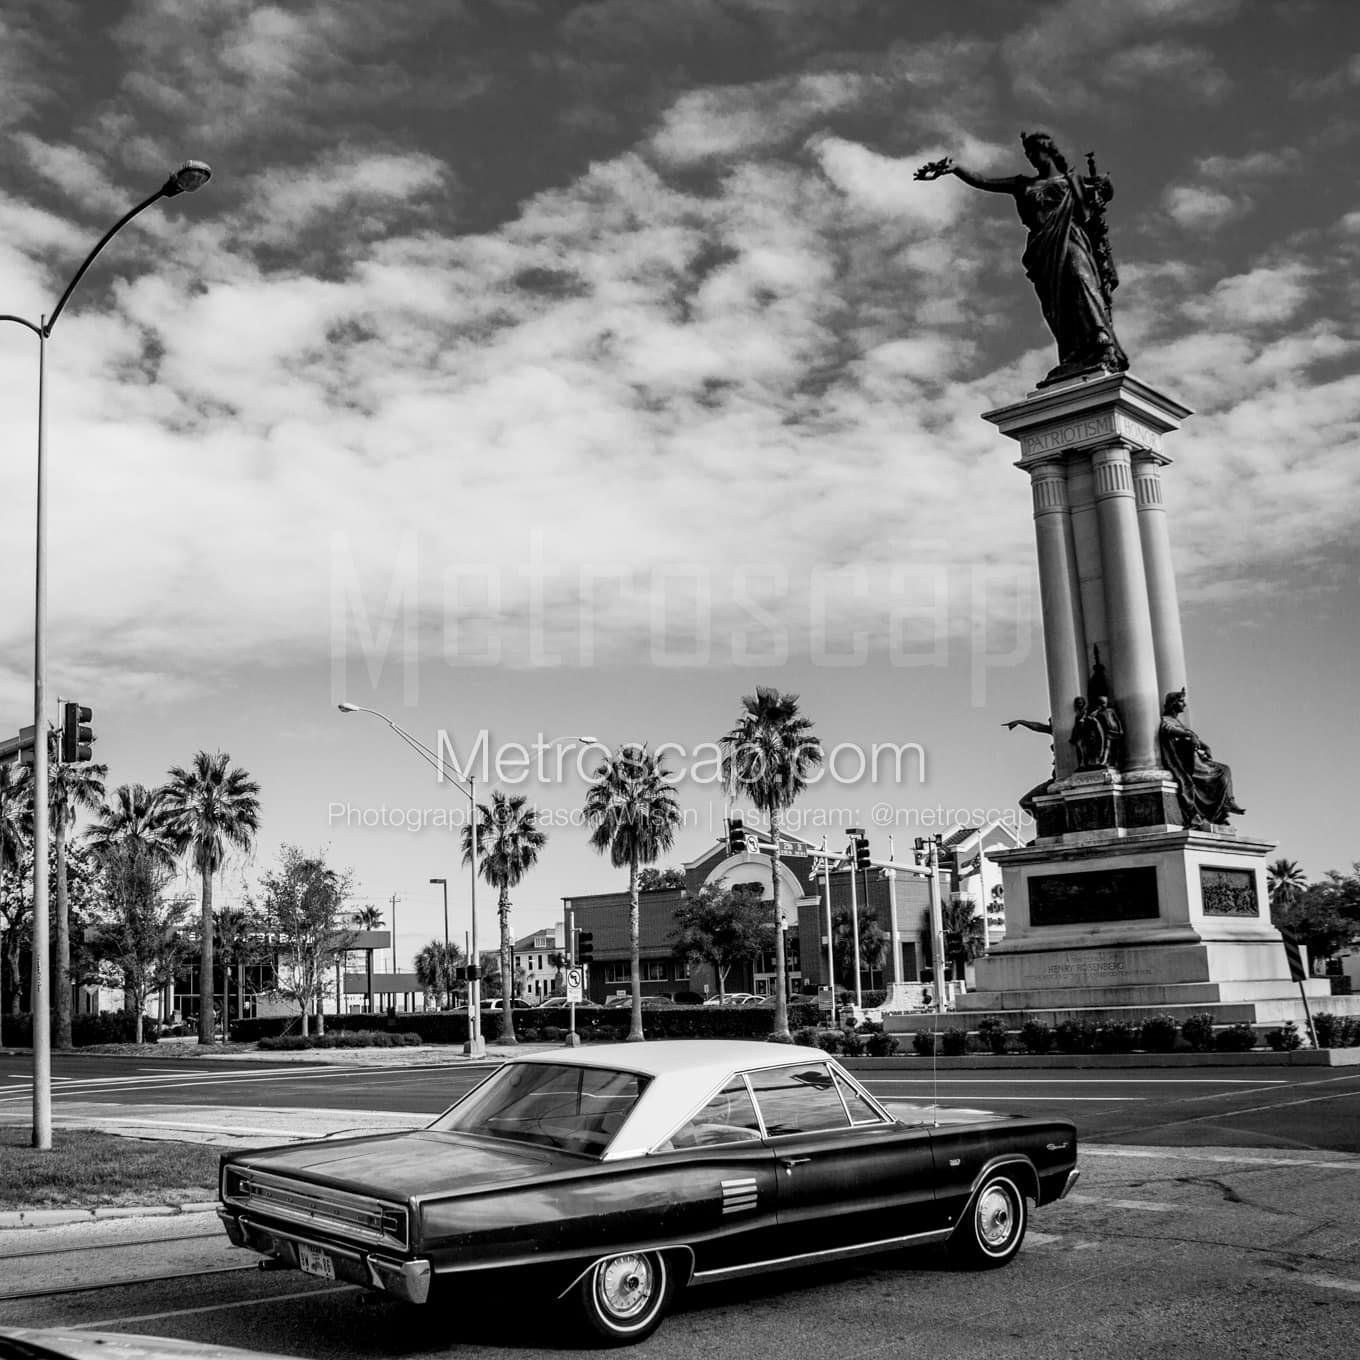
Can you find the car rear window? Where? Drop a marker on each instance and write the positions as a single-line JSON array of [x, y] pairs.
[[558, 1105]]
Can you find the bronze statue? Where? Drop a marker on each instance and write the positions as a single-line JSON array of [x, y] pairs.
[[1203, 783], [1067, 258], [1095, 731], [1026, 800]]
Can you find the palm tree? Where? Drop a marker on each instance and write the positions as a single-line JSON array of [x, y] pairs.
[[633, 814], [135, 816], [962, 925], [769, 756], [72, 785], [435, 967], [209, 808], [1285, 882], [508, 841], [369, 918], [15, 810]]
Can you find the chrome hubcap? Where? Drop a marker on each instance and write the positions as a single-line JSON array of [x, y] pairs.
[[626, 1285], [994, 1217]]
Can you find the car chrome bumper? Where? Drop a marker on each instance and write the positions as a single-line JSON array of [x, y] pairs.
[[1073, 1177], [409, 1280]]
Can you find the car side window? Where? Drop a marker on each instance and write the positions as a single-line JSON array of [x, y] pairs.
[[799, 1099], [861, 1112], [728, 1118]]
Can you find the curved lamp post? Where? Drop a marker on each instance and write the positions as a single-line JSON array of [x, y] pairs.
[[190, 176]]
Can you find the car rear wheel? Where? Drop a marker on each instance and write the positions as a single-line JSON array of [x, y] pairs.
[[623, 1298], [994, 1227]]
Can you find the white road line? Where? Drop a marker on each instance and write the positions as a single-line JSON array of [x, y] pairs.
[[1327, 1282], [210, 1308], [1195, 1155], [1071, 1081], [1148, 1204]]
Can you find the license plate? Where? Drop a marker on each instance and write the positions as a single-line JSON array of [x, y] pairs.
[[316, 1262]]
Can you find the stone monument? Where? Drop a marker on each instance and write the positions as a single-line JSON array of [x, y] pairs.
[[1135, 896]]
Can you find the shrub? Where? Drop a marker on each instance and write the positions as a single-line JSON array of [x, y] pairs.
[[807, 1036], [1199, 1032], [829, 1040], [1075, 1036], [1036, 1037], [852, 1044], [1330, 1029], [1235, 1039], [1116, 1036], [1159, 1034], [881, 1044], [992, 1034], [1286, 1038], [923, 1041], [552, 1034], [953, 1042]]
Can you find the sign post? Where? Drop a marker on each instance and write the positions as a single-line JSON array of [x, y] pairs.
[[1298, 972]]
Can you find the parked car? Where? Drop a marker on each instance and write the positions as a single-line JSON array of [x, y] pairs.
[[648, 1002], [608, 1178], [497, 1003], [729, 999]]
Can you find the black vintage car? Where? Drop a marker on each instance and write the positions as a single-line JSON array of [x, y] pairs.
[[617, 1174]]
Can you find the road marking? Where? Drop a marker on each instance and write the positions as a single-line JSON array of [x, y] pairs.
[[210, 1308], [1074, 1081], [1192, 1155], [1328, 1282], [1148, 1204]]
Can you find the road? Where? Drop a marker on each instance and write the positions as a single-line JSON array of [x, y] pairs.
[[1268, 1107], [1218, 1215]]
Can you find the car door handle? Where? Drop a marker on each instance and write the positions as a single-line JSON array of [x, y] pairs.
[[788, 1163]]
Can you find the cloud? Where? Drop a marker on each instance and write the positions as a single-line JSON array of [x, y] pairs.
[[1267, 295], [1198, 209]]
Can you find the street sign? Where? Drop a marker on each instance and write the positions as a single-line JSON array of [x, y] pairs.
[[575, 984]]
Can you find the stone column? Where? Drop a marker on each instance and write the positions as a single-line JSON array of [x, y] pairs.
[[1161, 577], [1081, 496], [1064, 640], [1132, 662]]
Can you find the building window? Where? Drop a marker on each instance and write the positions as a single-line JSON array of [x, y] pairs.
[[656, 970], [618, 971]]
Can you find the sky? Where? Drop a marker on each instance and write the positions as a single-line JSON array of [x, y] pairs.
[[549, 370]]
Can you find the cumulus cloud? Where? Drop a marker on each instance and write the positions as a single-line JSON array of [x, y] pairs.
[[1197, 209]]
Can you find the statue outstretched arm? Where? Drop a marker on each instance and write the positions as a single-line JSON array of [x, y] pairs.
[[1030, 723], [1009, 184]]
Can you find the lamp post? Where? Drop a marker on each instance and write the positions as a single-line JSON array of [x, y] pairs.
[[190, 176], [444, 882]]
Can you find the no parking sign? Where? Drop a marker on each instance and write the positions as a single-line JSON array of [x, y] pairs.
[[575, 984]]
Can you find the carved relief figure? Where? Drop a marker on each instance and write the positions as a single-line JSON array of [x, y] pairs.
[[1067, 257], [1087, 736], [1203, 783]]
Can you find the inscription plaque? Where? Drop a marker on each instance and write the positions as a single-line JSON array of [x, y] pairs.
[[1228, 892], [1089, 898]]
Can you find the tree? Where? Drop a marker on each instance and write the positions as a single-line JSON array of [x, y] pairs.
[[1285, 882], [965, 930], [71, 786], [436, 967], [508, 843], [15, 806], [652, 879], [304, 902], [633, 814], [369, 918], [769, 755], [140, 934], [1325, 915], [722, 927], [237, 940], [135, 815], [873, 940], [210, 807]]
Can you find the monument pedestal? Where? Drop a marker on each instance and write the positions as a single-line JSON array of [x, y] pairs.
[[1119, 909]]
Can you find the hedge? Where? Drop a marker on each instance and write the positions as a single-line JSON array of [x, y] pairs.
[[108, 1027], [593, 1023]]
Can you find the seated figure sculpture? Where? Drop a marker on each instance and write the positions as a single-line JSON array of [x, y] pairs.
[[1203, 784]]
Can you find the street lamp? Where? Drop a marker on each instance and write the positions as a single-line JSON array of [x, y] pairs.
[[190, 176], [445, 883]]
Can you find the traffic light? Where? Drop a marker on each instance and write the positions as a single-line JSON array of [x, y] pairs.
[[585, 946], [953, 942], [861, 852], [736, 836], [76, 737]]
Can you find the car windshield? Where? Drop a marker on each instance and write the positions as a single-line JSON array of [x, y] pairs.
[[559, 1105]]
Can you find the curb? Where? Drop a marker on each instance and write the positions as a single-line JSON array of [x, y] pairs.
[[1299, 1057], [54, 1218]]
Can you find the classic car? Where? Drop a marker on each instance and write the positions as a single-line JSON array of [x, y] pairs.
[[616, 1174]]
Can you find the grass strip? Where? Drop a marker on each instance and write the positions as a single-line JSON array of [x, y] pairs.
[[84, 1170]]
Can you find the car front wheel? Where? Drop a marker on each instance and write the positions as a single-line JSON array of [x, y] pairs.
[[994, 1227], [623, 1298]]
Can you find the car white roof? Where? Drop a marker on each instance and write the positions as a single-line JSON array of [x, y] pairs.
[[686, 1074]]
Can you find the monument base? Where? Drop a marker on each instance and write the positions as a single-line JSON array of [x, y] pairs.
[[1125, 922]]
